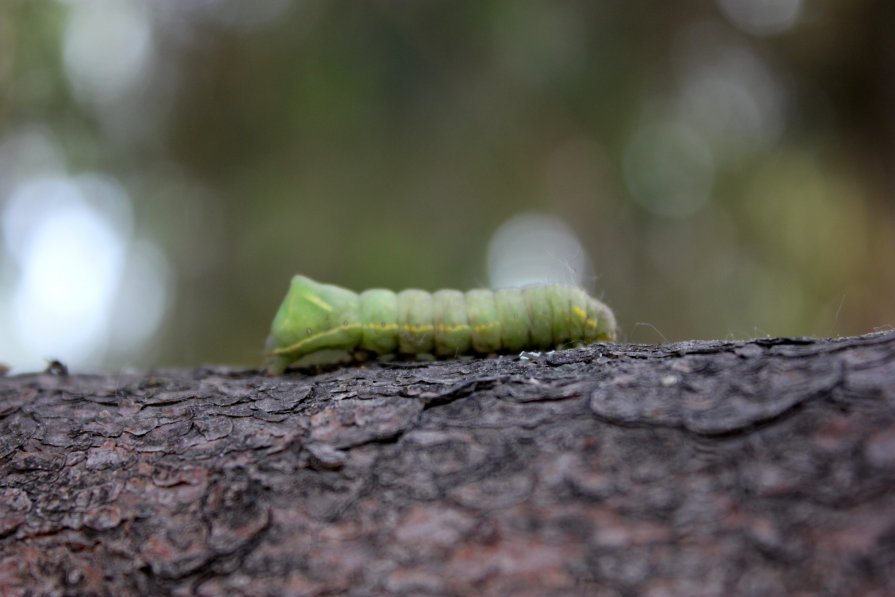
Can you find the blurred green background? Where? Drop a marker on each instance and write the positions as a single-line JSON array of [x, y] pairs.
[[711, 169]]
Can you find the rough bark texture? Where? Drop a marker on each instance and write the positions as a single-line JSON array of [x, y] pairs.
[[701, 468]]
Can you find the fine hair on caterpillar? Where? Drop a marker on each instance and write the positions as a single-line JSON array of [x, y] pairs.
[[316, 317]]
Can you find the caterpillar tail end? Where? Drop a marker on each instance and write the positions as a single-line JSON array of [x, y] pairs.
[[606, 326]]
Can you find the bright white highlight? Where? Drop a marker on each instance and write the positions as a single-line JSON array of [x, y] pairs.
[[532, 248], [74, 280], [71, 254]]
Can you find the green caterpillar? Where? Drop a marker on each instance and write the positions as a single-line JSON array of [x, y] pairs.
[[321, 317]]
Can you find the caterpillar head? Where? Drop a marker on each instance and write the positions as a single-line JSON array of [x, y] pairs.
[[311, 318]]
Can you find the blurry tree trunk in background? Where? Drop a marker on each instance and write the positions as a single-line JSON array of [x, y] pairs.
[[763, 467]]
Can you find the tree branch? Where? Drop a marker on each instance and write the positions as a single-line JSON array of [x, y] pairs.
[[762, 467]]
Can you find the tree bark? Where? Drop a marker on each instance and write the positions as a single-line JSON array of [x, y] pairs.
[[700, 468]]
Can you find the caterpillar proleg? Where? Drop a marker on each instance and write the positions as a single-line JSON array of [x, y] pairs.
[[315, 317]]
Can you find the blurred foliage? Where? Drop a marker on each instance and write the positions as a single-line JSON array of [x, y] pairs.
[[724, 183]]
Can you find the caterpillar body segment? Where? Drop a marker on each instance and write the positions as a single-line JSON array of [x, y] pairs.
[[318, 317], [379, 306], [483, 316]]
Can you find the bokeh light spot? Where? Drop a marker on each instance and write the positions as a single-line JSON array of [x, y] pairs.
[[532, 248], [26, 153], [729, 94], [142, 299], [70, 257], [762, 17], [108, 48], [669, 169], [72, 269]]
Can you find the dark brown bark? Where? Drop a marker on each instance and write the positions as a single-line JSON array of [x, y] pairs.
[[763, 467]]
